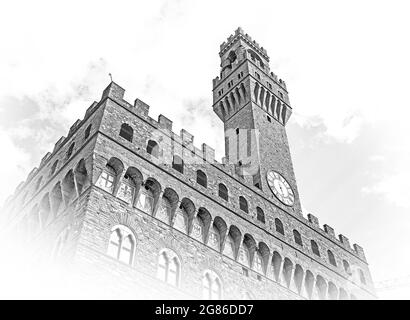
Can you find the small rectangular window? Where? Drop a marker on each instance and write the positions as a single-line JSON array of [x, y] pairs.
[[245, 272]]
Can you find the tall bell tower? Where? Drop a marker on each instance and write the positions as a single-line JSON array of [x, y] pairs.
[[254, 107]]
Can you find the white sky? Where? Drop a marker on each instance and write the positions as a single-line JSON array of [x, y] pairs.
[[346, 66]]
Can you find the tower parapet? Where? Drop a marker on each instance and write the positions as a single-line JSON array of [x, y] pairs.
[[240, 34]]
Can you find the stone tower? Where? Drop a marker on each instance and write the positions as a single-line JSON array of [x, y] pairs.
[[254, 107]]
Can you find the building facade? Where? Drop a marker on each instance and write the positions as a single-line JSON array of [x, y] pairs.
[[125, 199]]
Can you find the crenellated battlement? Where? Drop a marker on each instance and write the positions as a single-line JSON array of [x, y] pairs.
[[242, 54], [240, 34]]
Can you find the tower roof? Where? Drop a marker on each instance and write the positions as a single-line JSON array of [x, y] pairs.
[[239, 34]]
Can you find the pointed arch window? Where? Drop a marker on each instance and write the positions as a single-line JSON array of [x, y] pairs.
[[153, 148], [70, 151], [127, 247], [87, 132], [315, 247], [346, 266], [178, 164], [169, 268], [211, 286], [54, 167], [114, 244], [121, 244], [126, 132], [331, 257], [201, 178], [243, 204], [260, 215], [223, 191], [297, 237], [279, 226]]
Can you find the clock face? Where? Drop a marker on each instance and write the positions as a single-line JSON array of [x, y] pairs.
[[280, 188]]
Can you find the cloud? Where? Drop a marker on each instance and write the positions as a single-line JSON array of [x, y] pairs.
[[394, 187], [13, 110]]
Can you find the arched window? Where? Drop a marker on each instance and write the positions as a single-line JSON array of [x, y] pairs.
[[223, 191], [315, 247], [153, 148], [114, 244], [279, 226], [53, 168], [260, 215], [126, 132], [70, 151], [243, 204], [201, 178], [297, 237], [169, 267], [346, 266], [121, 244], [178, 164], [211, 286], [361, 276], [126, 251], [331, 258], [146, 200], [87, 132]]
